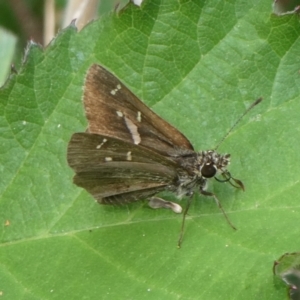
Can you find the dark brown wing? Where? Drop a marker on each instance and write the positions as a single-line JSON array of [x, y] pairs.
[[114, 171], [113, 110]]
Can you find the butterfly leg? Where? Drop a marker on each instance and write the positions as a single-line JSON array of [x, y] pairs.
[[155, 202], [190, 199], [209, 194]]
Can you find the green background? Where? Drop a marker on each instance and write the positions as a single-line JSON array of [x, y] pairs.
[[199, 65]]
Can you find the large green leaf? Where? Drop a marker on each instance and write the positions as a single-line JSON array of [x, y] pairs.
[[199, 64]]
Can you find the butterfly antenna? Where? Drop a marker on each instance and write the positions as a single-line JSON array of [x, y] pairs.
[[257, 101]]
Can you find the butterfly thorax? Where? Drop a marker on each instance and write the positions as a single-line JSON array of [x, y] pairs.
[[197, 168]]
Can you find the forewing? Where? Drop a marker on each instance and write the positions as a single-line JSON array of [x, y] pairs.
[[113, 110], [115, 171]]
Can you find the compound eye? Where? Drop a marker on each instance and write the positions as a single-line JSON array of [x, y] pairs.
[[208, 171]]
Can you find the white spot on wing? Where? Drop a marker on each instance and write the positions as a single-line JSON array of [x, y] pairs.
[[100, 145], [114, 91], [139, 116], [108, 159], [119, 113], [128, 155], [133, 131]]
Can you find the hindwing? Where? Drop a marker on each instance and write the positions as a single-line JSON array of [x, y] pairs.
[[115, 171]]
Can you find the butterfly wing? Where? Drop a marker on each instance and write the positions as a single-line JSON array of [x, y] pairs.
[[113, 110], [115, 171]]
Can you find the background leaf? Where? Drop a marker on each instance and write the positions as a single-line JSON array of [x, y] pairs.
[[198, 65], [7, 48]]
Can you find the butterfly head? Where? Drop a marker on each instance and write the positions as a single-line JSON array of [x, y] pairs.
[[212, 164]]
